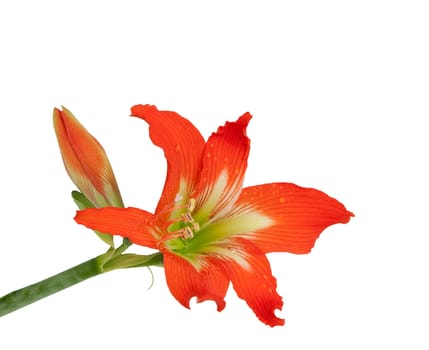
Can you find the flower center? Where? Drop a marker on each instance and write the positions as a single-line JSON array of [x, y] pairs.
[[184, 226]]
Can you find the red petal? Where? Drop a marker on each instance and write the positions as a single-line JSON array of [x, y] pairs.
[[182, 144], [132, 223], [224, 165], [185, 282], [299, 215], [255, 283]]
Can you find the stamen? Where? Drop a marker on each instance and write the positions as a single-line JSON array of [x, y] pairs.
[[186, 232], [187, 217], [166, 211], [195, 226], [191, 205]]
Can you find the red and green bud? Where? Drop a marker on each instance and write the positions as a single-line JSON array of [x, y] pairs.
[[86, 161]]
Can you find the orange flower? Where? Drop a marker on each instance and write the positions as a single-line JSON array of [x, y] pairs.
[[211, 230], [86, 161]]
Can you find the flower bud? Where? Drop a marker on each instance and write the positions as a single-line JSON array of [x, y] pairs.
[[86, 161]]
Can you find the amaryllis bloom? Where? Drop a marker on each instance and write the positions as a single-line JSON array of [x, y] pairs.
[[212, 231], [86, 161]]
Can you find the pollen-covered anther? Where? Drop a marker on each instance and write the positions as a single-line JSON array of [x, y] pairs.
[[187, 233], [195, 226], [187, 217], [184, 233], [191, 205]]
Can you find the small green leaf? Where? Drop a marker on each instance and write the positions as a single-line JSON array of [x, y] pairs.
[[104, 258], [133, 260], [81, 201]]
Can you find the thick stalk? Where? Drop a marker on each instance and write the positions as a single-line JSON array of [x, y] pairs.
[[27, 295]]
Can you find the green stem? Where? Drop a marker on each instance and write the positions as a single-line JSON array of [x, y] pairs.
[[126, 243], [109, 261], [27, 295]]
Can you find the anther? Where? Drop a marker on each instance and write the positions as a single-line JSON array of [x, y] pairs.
[[187, 217], [187, 233], [195, 226], [191, 205]]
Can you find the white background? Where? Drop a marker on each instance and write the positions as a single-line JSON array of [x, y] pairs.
[[339, 94]]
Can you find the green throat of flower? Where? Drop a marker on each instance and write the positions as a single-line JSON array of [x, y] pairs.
[[182, 234]]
